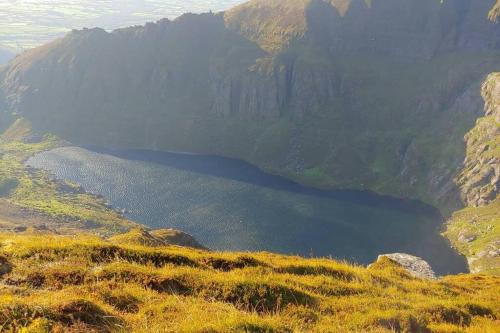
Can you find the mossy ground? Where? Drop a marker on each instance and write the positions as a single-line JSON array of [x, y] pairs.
[[54, 283]]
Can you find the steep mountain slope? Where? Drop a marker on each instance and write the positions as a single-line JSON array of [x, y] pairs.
[[475, 230], [479, 180], [355, 94]]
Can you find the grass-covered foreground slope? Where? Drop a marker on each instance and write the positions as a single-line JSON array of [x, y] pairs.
[[475, 230], [33, 199], [55, 283]]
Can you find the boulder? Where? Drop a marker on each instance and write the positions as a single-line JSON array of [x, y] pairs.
[[416, 266]]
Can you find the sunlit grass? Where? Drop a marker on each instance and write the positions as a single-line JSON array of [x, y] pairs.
[[88, 283]]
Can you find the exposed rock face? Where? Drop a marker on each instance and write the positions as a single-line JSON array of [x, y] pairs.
[[479, 180], [416, 266], [474, 231], [341, 93]]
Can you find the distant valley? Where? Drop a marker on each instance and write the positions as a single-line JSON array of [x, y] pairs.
[[25, 24]]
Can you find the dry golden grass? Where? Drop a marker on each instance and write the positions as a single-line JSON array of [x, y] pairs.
[[54, 283]]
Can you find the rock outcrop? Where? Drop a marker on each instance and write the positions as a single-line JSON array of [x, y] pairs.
[[416, 266], [474, 230], [176, 237], [156, 238]]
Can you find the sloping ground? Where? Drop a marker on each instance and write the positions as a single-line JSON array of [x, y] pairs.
[[274, 24], [475, 230], [87, 284], [33, 199]]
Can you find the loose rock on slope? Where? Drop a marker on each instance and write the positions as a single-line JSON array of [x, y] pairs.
[[416, 266]]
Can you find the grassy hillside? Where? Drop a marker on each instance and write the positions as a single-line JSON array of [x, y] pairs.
[[87, 284]]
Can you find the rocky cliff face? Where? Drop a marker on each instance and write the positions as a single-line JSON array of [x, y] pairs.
[[342, 93], [475, 230], [479, 180]]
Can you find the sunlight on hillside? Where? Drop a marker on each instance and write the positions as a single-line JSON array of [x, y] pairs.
[[261, 166]]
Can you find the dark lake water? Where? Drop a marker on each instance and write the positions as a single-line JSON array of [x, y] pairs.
[[231, 205]]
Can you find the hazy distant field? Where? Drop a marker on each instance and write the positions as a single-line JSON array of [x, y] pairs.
[[28, 23]]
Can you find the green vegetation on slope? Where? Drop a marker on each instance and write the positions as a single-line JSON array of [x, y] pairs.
[[27, 195], [87, 284]]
